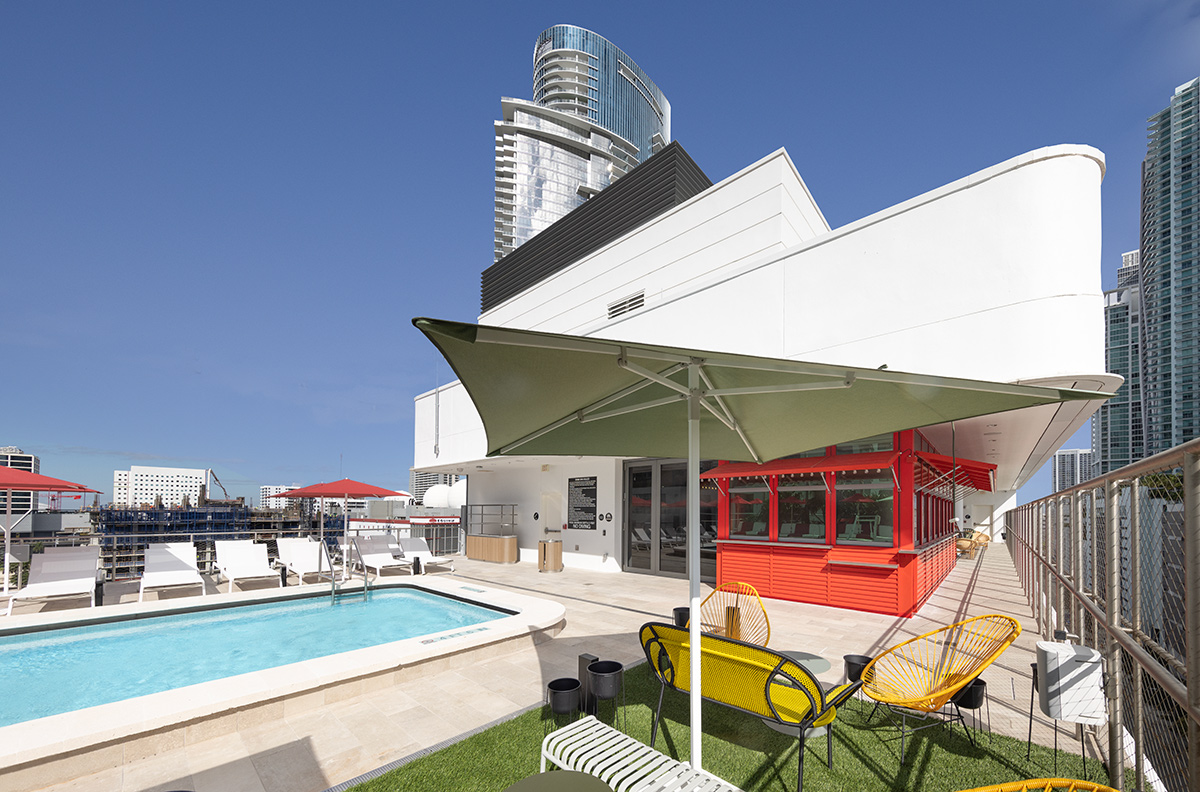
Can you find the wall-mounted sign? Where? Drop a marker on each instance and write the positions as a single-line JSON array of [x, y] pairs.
[[581, 503]]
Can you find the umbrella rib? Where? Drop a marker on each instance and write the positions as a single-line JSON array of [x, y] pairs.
[[733, 421], [755, 390], [579, 415], [729, 423], [634, 368], [634, 388], [596, 416]]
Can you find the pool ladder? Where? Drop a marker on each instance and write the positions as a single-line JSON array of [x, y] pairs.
[[336, 590]]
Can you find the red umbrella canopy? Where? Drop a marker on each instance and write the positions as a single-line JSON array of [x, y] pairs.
[[346, 488], [14, 479]]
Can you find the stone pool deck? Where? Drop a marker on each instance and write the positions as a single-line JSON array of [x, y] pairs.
[[312, 748]]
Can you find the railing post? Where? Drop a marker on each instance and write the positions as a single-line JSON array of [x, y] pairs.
[[1047, 619], [1097, 584], [1056, 558], [1136, 719], [1077, 561], [1191, 599], [1112, 612]]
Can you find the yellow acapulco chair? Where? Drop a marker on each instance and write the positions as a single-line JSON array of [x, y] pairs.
[[734, 610], [924, 673], [1044, 785]]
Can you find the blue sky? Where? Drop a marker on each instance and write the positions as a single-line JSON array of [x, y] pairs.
[[217, 219]]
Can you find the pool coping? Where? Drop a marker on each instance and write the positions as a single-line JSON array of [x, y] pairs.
[[190, 713]]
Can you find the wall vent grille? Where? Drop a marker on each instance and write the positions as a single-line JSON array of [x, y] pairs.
[[630, 303]]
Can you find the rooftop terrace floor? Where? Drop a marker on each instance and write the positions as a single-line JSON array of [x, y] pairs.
[[309, 750]]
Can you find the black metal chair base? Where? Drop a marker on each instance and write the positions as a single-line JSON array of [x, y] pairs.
[[935, 719]]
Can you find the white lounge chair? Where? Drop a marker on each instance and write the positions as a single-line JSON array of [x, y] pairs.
[[243, 559], [379, 553], [302, 557], [170, 564], [60, 572], [417, 548]]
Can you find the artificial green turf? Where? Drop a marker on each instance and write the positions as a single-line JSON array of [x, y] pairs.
[[742, 750]]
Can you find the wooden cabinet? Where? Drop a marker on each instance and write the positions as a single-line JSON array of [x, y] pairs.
[[498, 549]]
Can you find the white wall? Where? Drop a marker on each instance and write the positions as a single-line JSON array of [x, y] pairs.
[[764, 208], [995, 277], [524, 485], [456, 435]]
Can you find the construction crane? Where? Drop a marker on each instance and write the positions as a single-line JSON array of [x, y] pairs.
[[217, 481], [227, 501]]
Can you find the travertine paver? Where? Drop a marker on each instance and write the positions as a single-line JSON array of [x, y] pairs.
[[315, 749]]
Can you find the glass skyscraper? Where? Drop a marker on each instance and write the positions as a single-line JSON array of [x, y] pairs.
[[1170, 274], [1117, 426], [595, 115]]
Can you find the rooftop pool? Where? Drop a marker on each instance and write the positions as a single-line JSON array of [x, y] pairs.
[[59, 730], [70, 668]]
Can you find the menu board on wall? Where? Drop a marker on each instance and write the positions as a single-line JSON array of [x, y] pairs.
[[581, 503]]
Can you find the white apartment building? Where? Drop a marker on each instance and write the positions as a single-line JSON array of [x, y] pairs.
[[141, 485], [267, 493], [13, 457], [1071, 466]]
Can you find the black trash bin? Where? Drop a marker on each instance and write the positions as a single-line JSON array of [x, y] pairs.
[[563, 695], [682, 615], [971, 697], [855, 665], [99, 586], [606, 681]]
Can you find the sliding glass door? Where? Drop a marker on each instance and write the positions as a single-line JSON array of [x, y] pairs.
[[656, 519]]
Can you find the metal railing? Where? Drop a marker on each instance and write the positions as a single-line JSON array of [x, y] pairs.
[[1116, 562], [122, 555]]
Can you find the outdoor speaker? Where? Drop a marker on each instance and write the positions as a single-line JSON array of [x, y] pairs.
[[1071, 685]]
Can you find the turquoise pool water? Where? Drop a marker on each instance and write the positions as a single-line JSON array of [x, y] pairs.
[[61, 670]]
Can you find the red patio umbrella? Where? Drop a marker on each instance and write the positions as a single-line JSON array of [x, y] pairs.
[[12, 479], [344, 489]]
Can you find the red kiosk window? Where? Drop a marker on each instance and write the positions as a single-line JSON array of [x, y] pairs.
[[864, 508], [802, 508], [749, 509]]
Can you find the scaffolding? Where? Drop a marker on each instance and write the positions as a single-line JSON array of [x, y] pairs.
[[125, 532]]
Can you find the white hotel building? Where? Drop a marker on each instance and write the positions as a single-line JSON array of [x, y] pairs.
[[141, 485], [267, 493], [972, 279]]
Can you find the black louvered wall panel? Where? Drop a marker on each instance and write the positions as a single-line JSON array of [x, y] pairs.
[[662, 182]]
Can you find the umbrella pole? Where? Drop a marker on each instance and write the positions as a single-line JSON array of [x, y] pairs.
[[8, 537], [693, 557]]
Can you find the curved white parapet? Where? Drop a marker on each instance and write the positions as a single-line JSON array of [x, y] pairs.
[[995, 276]]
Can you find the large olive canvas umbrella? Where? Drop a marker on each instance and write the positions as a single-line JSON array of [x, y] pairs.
[[547, 394]]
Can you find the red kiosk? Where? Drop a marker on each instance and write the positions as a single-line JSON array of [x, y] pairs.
[[863, 525]]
